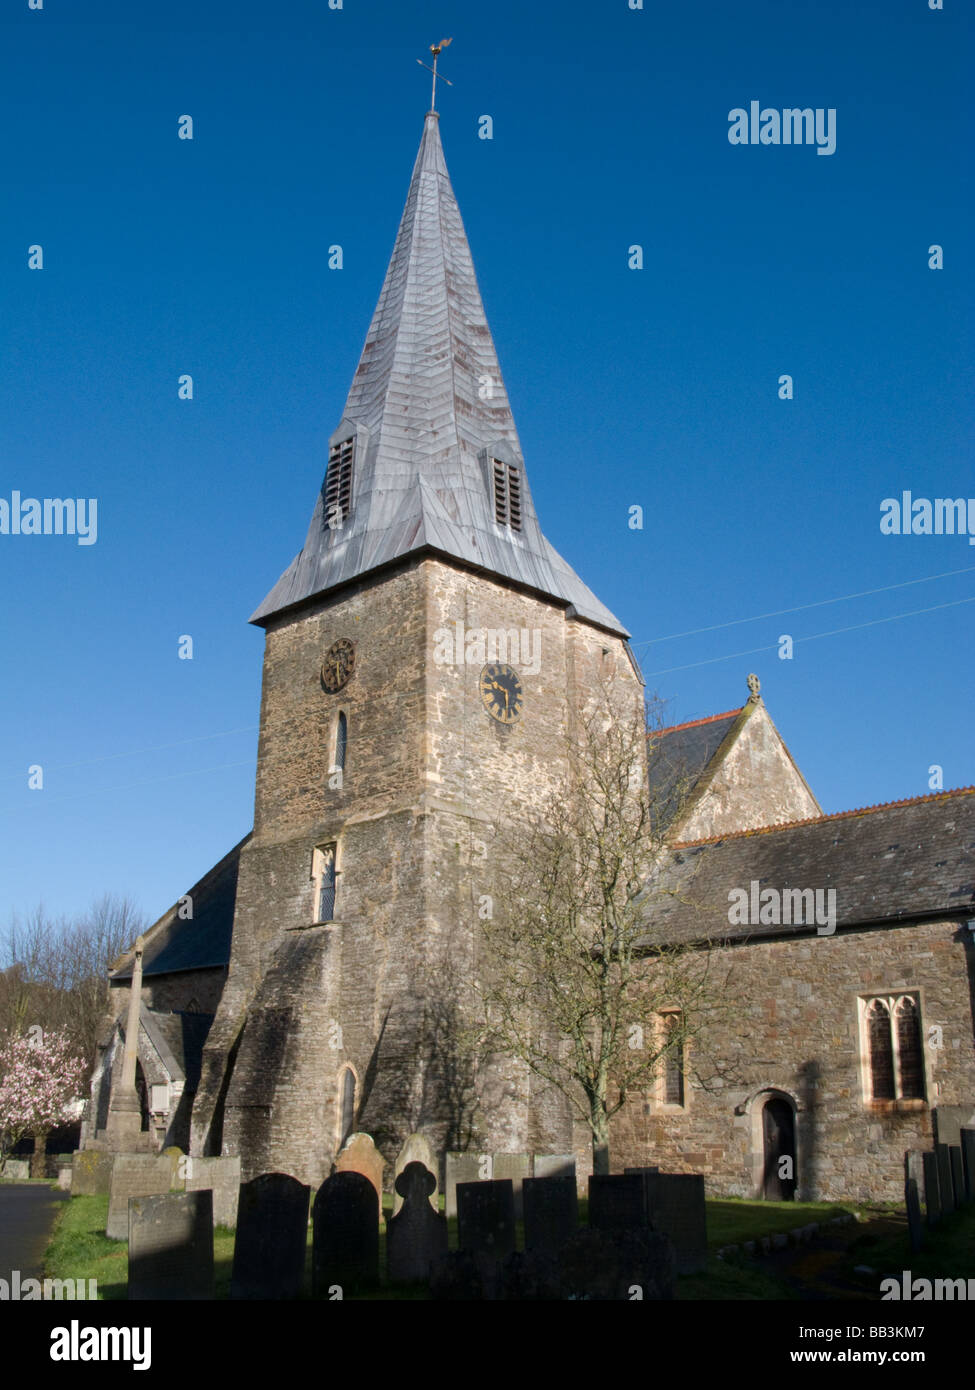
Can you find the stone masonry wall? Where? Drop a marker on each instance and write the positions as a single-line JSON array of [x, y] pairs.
[[756, 784], [794, 1030], [427, 775]]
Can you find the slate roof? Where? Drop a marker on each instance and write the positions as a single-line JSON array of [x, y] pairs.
[[172, 944], [888, 864], [678, 758], [423, 409], [184, 1036]]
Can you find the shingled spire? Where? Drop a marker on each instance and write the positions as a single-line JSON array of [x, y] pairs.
[[426, 457]]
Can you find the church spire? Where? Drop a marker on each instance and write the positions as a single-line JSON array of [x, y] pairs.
[[427, 457]]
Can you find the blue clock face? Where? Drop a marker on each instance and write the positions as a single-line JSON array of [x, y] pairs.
[[501, 693]]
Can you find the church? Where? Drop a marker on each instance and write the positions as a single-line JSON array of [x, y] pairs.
[[297, 992]]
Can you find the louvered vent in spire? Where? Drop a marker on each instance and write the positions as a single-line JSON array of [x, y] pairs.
[[507, 494], [338, 484]]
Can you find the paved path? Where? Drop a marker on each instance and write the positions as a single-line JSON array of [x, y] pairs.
[[27, 1212]]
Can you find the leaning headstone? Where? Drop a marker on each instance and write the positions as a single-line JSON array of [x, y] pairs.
[[551, 1213], [617, 1202], [460, 1167], [416, 1235], [136, 1175], [915, 1225], [16, 1169], [967, 1136], [346, 1240], [957, 1174], [932, 1188], [554, 1166], [679, 1212], [417, 1149], [486, 1226], [272, 1232], [517, 1167], [171, 1246], [359, 1155], [221, 1176], [945, 1185], [91, 1172]]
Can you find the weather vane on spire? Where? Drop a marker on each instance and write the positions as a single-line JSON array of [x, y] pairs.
[[436, 49]]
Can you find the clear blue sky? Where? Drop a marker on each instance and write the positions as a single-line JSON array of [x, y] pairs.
[[655, 387]]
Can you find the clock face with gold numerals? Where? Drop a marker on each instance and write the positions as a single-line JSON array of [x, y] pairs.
[[501, 693], [338, 668]]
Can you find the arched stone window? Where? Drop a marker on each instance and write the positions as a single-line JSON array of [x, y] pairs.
[[341, 742], [346, 1104], [324, 877], [881, 1051], [909, 1049], [892, 1044], [673, 1062]]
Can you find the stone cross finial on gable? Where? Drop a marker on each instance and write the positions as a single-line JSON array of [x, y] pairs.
[[754, 686]]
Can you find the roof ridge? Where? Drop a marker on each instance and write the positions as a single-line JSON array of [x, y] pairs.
[[822, 820], [692, 723]]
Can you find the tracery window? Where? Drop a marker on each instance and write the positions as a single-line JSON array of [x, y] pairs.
[[894, 1057]]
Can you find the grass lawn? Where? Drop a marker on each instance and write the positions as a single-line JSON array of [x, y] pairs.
[[732, 1220]]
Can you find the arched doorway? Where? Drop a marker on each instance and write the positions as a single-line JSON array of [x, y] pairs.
[[779, 1141]]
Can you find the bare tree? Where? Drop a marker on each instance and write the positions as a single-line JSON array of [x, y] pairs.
[[576, 981], [54, 972]]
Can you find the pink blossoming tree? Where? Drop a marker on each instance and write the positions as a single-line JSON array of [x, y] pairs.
[[39, 1078]]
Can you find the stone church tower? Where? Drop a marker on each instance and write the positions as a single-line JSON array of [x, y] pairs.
[[427, 654]]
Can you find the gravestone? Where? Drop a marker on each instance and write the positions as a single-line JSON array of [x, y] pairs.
[[272, 1231], [171, 1246], [460, 1167], [517, 1167], [416, 1235], [359, 1155], [604, 1264], [957, 1174], [91, 1173], [16, 1169], [649, 1179], [136, 1175], [551, 1213], [679, 1212], [949, 1121], [932, 1188], [554, 1166], [968, 1159], [417, 1149], [65, 1176], [221, 1176], [945, 1186], [486, 1226], [915, 1225], [346, 1237], [457, 1276], [914, 1167], [617, 1202], [530, 1276]]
